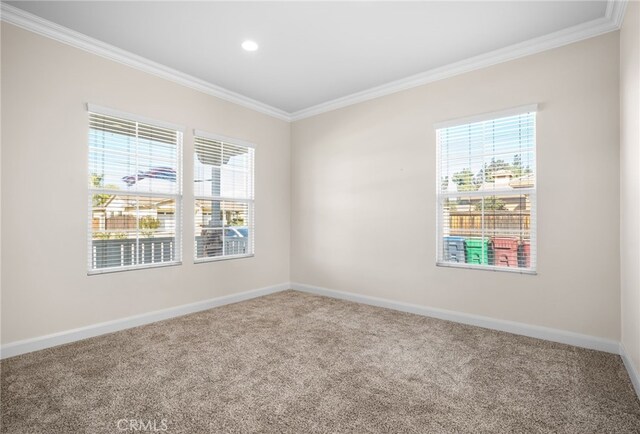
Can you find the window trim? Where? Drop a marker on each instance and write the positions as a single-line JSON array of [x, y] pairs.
[[93, 108], [251, 202], [532, 192], [488, 116], [109, 270], [220, 138], [178, 197]]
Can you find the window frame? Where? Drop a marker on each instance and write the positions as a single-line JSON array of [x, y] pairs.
[[531, 192], [178, 197], [250, 202]]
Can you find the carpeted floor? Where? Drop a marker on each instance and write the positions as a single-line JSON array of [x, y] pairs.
[[297, 363]]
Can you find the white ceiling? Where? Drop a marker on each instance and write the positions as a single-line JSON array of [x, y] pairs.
[[312, 52]]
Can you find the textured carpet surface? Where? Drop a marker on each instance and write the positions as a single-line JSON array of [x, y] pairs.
[[297, 363]]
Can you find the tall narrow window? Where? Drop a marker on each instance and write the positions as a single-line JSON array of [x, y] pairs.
[[486, 191], [223, 189], [135, 192]]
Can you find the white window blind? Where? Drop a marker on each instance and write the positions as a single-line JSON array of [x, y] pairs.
[[135, 193], [224, 195], [486, 192]]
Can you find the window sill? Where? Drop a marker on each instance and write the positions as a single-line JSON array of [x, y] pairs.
[[487, 268], [132, 268], [221, 258]]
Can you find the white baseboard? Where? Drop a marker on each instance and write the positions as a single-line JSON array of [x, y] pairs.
[[65, 337], [554, 335], [631, 369], [539, 332], [548, 334]]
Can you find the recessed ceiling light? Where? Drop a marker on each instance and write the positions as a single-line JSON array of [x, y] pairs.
[[249, 45]]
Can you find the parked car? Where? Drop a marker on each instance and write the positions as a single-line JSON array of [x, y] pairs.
[[236, 232]]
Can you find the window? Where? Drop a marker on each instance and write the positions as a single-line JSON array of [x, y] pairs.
[[223, 189], [486, 191], [135, 192]]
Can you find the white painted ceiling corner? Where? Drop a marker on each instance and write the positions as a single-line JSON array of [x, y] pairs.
[[35, 24], [611, 21]]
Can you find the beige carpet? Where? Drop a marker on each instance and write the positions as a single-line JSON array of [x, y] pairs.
[[297, 363]]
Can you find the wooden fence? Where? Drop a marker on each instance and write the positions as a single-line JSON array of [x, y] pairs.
[[469, 224], [121, 223]]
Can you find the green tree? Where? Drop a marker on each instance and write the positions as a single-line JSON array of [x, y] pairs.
[[237, 220], [102, 235], [517, 168], [148, 225], [465, 180], [487, 174], [491, 204], [100, 199], [468, 181]]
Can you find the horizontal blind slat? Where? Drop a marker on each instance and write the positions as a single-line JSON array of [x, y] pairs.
[[486, 193], [223, 227], [128, 160]]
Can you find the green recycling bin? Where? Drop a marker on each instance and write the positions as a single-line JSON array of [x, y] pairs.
[[477, 251]]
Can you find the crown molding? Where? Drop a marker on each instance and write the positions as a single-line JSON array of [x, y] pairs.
[[612, 21], [609, 23], [615, 11], [35, 24]]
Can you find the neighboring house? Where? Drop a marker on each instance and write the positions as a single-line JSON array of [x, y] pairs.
[[508, 214], [118, 214]]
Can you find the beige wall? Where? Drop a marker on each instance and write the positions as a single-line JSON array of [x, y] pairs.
[[45, 287], [630, 181], [363, 193], [361, 177]]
